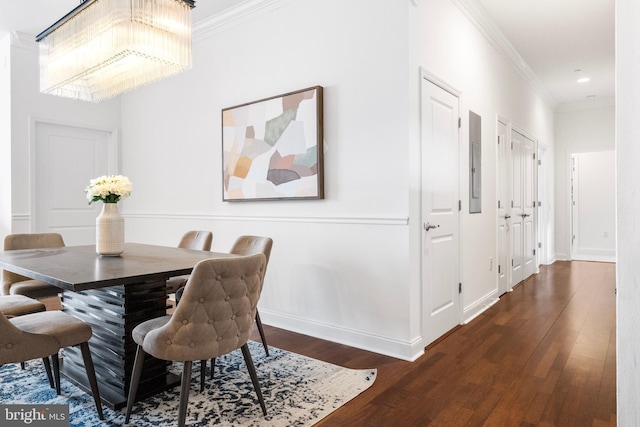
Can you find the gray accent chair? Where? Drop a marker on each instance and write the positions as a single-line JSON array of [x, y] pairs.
[[16, 284], [215, 317], [198, 240], [42, 335]]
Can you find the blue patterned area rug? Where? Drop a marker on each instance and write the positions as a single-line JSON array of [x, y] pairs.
[[298, 391]]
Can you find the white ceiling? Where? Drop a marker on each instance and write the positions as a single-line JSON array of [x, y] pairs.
[[558, 37], [554, 37]]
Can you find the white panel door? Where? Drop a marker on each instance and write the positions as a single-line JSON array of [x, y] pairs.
[[440, 228], [528, 203], [66, 158], [517, 210], [523, 190], [504, 213]]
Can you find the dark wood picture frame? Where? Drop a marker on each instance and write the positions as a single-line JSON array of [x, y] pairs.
[[272, 148]]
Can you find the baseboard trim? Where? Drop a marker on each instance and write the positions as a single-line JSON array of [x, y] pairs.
[[479, 307], [410, 350]]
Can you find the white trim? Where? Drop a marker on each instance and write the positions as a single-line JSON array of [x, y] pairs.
[[232, 16], [479, 17], [480, 306], [404, 350], [442, 84], [397, 221]]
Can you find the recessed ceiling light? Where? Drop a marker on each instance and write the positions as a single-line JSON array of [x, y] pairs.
[[583, 79]]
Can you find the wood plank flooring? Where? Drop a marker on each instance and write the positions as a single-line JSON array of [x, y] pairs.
[[544, 355]]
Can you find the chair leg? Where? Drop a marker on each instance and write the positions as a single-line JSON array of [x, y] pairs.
[[22, 365], [135, 379], [262, 336], [203, 368], [56, 371], [91, 376], [184, 393], [213, 366], [254, 377], [47, 368]]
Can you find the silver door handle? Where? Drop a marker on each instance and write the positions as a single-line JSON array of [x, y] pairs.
[[428, 226], [524, 215], [507, 216]]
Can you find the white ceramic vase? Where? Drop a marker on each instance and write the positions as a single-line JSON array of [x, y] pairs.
[[110, 231]]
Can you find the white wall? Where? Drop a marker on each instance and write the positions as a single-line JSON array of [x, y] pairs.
[[346, 268], [29, 105], [579, 128], [5, 136], [339, 266], [628, 189], [448, 45]]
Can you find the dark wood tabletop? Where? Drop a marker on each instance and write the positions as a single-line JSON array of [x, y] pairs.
[[77, 268]]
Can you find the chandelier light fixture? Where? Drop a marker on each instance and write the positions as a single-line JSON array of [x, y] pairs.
[[103, 48]]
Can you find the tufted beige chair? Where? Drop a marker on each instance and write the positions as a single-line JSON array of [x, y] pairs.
[[19, 305], [41, 335], [198, 240], [15, 284], [249, 245], [214, 317]]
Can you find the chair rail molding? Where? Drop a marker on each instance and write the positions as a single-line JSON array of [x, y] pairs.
[[390, 221]]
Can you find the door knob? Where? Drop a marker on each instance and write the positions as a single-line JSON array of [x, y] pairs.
[[428, 226], [507, 216], [524, 215]]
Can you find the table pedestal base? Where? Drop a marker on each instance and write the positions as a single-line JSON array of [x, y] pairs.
[[113, 312]]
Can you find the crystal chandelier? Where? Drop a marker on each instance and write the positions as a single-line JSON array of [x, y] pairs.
[[103, 48]]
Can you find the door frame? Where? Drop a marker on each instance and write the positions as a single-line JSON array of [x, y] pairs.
[[506, 286], [114, 160], [442, 84]]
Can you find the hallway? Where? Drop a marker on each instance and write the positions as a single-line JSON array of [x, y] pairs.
[[544, 355]]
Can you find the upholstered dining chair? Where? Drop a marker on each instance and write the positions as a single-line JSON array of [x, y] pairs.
[[214, 317], [15, 284], [249, 245], [19, 305], [42, 335], [198, 240]]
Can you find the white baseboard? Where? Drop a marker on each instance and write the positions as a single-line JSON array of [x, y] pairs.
[[404, 350], [479, 307]]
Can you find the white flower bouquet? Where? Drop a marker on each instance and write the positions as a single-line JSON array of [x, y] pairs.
[[108, 189]]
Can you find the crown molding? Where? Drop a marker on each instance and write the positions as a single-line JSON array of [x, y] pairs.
[[23, 40], [233, 16], [479, 17]]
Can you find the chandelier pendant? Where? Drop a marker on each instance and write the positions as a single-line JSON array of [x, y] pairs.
[[103, 48]]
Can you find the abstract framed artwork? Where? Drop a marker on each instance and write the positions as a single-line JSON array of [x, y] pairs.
[[272, 148]]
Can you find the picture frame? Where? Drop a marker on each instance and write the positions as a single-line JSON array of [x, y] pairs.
[[272, 148]]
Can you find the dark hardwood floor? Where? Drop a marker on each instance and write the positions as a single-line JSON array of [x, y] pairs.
[[544, 355]]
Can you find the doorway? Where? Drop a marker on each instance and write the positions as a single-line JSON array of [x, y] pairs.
[[65, 159], [593, 206], [517, 210], [440, 147]]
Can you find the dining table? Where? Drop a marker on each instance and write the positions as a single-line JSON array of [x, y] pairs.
[[113, 294]]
